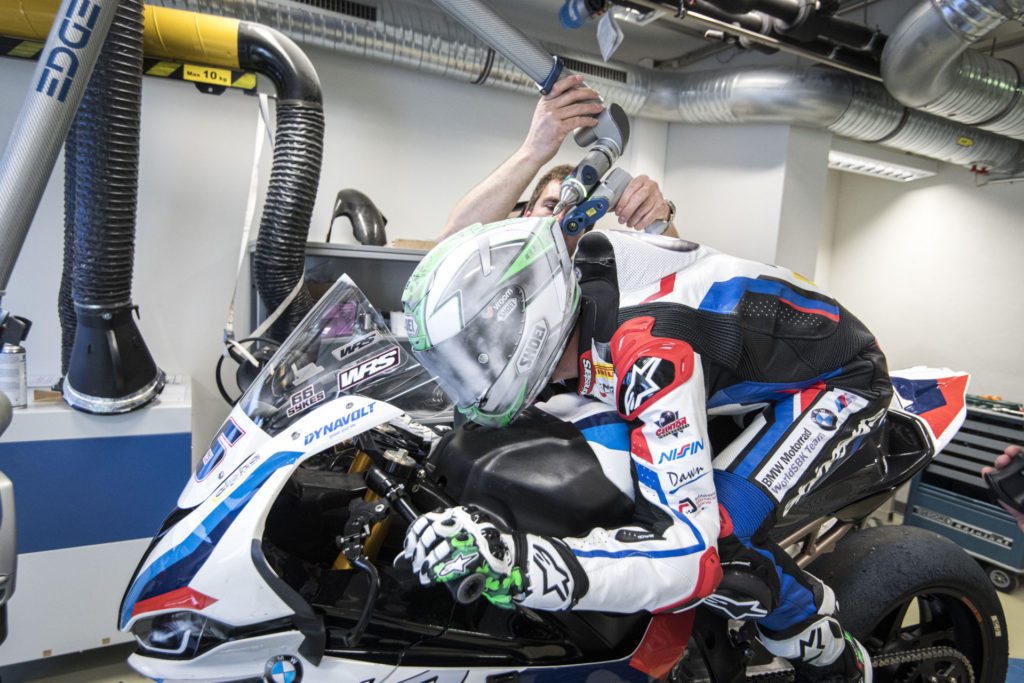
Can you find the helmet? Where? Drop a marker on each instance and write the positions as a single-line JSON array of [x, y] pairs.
[[489, 311]]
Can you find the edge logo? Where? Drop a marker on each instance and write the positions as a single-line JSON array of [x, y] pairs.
[[62, 63], [283, 669], [363, 371]]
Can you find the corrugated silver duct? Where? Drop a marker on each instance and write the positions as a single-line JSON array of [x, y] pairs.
[[927, 64], [849, 106], [426, 39]]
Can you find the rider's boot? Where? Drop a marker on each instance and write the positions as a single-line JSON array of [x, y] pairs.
[[818, 648]]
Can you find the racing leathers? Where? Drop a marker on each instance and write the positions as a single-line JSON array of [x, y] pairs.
[[674, 335]]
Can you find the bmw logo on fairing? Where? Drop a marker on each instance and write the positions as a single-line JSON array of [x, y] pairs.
[[826, 419], [283, 669]]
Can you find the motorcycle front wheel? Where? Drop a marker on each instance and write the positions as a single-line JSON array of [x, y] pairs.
[[910, 594]]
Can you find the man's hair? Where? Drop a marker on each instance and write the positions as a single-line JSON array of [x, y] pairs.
[[556, 173]]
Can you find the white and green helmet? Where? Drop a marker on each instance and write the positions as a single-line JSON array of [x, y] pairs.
[[488, 312]]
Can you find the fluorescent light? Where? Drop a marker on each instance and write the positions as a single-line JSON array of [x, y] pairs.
[[878, 162]]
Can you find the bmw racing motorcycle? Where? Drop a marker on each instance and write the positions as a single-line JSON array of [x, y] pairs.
[[278, 563]]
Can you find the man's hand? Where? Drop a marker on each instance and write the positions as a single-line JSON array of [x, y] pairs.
[[1002, 461], [641, 204], [558, 113], [454, 543]]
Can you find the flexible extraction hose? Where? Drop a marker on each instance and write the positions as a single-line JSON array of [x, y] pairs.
[[110, 369]]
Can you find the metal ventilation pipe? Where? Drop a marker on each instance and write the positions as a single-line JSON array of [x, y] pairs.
[[849, 106], [844, 104], [927, 64]]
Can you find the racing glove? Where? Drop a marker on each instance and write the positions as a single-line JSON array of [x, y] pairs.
[[454, 543]]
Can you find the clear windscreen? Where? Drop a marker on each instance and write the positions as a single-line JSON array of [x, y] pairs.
[[342, 347]]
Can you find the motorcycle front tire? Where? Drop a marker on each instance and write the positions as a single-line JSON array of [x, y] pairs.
[[903, 588]]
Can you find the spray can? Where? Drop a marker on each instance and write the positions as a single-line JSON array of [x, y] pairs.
[[13, 375]]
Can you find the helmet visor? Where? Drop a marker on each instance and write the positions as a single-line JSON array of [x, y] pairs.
[[468, 364]]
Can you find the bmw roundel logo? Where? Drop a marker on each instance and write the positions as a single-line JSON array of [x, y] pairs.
[[283, 669], [826, 419]]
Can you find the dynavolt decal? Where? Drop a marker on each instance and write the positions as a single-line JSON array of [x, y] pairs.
[[366, 369], [355, 345], [341, 422], [283, 669], [825, 418], [227, 436], [678, 453], [307, 397], [670, 423]]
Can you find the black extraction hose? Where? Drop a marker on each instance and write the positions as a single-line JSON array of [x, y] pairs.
[[110, 369], [65, 302], [280, 254]]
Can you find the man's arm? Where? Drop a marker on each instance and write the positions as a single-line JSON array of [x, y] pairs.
[[562, 110]]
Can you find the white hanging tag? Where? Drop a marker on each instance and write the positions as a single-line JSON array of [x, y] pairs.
[[609, 35]]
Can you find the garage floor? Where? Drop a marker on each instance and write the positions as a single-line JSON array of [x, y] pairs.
[[107, 665]]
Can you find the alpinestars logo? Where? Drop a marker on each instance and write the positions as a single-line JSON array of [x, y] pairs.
[[368, 368], [457, 566], [639, 384], [556, 579], [735, 609]]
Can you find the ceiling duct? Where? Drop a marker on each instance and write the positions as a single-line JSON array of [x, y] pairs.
[[927, 64], [425, 39]]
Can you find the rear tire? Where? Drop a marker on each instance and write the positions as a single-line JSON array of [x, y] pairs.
[[902, 588]]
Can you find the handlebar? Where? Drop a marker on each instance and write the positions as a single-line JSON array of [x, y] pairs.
[[464, 591]]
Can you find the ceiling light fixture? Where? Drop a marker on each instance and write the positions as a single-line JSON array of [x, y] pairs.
[[878, 162]]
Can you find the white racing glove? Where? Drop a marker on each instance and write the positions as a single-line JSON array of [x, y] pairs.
[[454, 543]]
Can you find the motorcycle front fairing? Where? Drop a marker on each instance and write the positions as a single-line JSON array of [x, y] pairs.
[[204, 581]]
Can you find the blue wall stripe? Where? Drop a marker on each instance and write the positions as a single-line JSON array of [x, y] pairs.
[[75, 492]]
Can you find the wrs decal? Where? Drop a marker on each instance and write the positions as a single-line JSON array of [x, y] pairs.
[[670, 423], [354, 345], [306, 398], [366, 369], [227, 436], [338, 424]]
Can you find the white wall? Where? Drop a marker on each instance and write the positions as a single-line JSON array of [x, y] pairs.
[[933, 267], [413, 143]]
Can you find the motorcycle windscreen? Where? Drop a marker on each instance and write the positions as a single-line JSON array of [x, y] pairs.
[[342, 347]]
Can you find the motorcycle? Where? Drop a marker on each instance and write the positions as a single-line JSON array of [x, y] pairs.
[[278, 563]]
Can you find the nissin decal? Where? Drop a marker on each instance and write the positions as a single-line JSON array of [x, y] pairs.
[[677, 453], [330, 427], [74, 33]]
